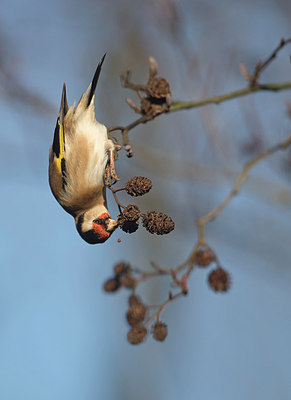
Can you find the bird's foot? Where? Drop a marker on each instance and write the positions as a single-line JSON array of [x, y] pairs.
[[110, 174]]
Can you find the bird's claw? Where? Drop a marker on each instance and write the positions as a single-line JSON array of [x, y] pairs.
[[110, 174]]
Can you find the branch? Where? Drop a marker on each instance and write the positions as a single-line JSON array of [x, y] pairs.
[[156, 100], [273, 87], [238, 184], [185, 105], [152, 91], [162, 306]]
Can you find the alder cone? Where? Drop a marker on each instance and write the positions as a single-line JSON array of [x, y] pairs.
[[137, 334], [138, 186], [111, 285], [158, 88], [219, 280], [160, 331], [158, 223]]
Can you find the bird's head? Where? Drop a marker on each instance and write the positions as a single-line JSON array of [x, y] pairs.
[[95, 228]]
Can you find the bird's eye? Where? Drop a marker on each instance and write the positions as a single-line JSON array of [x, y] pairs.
[[100, 221]]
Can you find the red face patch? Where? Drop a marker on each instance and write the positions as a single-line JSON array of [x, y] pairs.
[[103, 216], [100, 228]]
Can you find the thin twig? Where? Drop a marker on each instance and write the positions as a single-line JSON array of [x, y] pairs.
[[159, 269], [261, 65], [127, 84], [120, 205], [119, 190], [238, 184], [127, 128], [157, 314]]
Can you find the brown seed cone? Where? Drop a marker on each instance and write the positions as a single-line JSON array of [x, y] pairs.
[[128, 281], [120, 268], [137, 334], [138, 186], [133, 299], [131, 212], [128, 219], [150, 108], [111, 285], [219, 280], [157, 88], [159, 331], [136, 313], [204, 257], [158, 223], [127, 226]]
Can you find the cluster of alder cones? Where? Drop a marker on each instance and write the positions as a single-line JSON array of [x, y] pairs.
[[138, 314], [154, 222], [218, 278], [156, 98], [140, 317]]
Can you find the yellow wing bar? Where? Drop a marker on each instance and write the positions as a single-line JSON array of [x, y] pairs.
[[59, 145]]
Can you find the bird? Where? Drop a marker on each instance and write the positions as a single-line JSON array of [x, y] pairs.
[[81, 164]]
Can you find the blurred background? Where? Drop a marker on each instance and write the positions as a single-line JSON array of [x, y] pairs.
[[61, 336]]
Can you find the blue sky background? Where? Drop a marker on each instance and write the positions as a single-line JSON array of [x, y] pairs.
[[61, 336]]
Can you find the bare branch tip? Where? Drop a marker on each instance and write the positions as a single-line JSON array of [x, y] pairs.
[[244, 72], [153, 66]]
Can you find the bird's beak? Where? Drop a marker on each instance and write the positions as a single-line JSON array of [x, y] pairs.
[[111, 225]]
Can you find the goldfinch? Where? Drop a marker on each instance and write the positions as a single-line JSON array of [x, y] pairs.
[[79, 167]]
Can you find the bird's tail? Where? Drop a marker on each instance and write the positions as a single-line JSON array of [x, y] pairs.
[[88, 96]]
